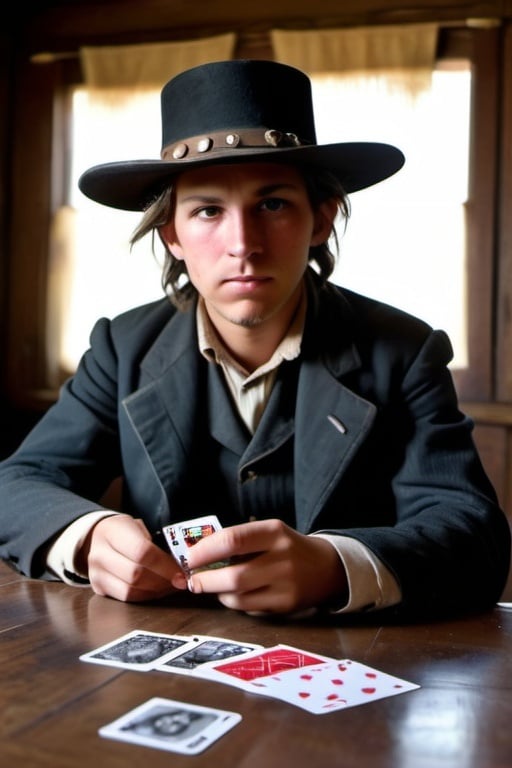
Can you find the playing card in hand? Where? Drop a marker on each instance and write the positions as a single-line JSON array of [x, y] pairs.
[[183, 535]]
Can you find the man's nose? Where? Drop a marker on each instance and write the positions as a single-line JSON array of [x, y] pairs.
[[244, 237]]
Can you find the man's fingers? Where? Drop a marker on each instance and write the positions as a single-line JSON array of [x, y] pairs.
[[236, 542], [124, 563]]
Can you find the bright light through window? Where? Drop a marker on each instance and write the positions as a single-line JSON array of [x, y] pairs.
[[405, 239], [107, 277]]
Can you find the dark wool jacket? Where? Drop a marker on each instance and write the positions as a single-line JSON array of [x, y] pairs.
[[362, 436]]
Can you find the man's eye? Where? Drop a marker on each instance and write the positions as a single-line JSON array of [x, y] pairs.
[[208, 212], [273, 204]]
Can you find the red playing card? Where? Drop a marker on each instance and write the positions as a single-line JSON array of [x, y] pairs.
[[269, 662]]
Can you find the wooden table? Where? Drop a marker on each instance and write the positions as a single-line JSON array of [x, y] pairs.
[[52, 704]]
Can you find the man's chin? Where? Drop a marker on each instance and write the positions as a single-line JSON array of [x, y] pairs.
[[245, 317], [249, 322]]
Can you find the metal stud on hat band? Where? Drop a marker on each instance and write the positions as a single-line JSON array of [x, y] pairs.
[[197, 146]]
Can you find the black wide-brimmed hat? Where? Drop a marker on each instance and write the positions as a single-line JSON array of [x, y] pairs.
[[237, 111]]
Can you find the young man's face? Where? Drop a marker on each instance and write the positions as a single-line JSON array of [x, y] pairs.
[[244, 232]]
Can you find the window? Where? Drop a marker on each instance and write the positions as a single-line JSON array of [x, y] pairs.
[[405, 239], [105, 276]]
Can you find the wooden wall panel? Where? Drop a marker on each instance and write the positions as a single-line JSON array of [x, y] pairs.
[[70, 24], [493, 444], [30, 223], [504, 304]]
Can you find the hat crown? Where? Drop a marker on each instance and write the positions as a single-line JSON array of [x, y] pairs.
[[229, 95]]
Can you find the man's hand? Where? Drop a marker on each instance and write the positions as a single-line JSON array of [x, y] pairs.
[[273, 568], [123, 563]]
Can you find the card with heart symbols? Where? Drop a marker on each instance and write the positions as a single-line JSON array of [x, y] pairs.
[[316, 684]]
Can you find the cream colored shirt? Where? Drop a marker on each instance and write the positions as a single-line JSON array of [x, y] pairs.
[[371, 585]]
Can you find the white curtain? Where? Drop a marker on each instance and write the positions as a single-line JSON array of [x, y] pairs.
[[392, 50], [150, 65]]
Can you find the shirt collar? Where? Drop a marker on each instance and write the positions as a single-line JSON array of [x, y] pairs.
[[213, 349]]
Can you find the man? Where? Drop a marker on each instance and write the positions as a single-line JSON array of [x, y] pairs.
[[320, 426]]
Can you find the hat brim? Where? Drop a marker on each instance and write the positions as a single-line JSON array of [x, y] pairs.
[[133, 185]]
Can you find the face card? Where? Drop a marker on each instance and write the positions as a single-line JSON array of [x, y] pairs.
[[243, 671], [206, 650], [331, 686], [171, 725], [181, 536], [137, 650]]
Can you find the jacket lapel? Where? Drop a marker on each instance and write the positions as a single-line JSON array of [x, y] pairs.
[[163, 411], [224, 424], [331, 423]]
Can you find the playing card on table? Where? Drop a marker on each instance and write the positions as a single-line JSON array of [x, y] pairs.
[[138, 650], [183, 535], [326, 687], [241, 672], [205, 650], [171, 725]]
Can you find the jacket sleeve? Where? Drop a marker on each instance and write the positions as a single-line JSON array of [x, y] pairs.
[[66, 463], [449, 545]]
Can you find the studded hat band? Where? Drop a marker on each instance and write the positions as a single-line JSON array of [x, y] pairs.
[[245, 138]]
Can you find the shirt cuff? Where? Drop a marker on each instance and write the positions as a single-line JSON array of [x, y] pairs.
[[60, 558], [371, 585]]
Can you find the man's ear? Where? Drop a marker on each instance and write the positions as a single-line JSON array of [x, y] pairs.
[[169, 238], [324, 221]]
